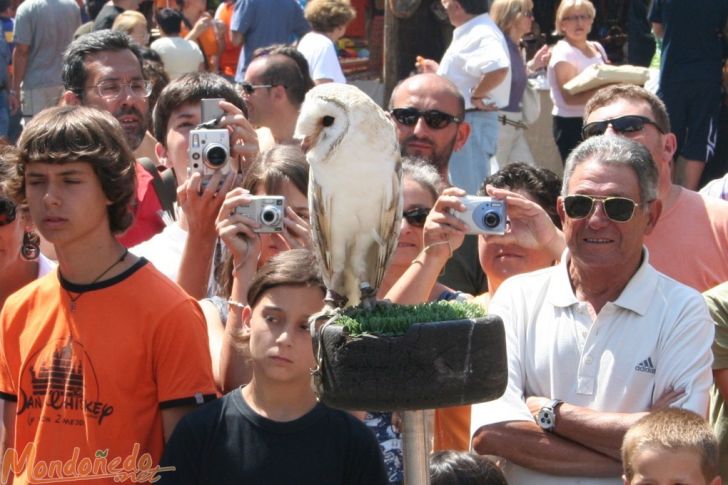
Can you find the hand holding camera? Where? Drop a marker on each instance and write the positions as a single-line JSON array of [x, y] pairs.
[[444, 231], [296, 230], [530, 225], [225, 142], [238, 232]]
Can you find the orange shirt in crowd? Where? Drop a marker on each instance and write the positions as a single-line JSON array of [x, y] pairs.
[[207, 42], [231, 54], [90, 383]]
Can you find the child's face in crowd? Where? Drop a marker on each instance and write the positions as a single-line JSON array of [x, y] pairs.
[[66, 200], [280, 341], [182, 120], [658, 466]]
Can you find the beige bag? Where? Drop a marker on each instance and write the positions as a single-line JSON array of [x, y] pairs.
[[598, 75], [531, 104]]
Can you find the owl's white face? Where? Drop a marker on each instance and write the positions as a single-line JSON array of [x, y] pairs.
[[322, 125]]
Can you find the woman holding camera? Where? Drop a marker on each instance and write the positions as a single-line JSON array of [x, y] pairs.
[[280, 171]]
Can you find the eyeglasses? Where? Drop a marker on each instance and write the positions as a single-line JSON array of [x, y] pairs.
[[623, 124], [618, 209], [528, 14], [250, 88], [8, 210], [113, 89], [575, 18], [435, 119], [416, 217]]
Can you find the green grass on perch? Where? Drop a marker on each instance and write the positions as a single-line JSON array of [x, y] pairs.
[[396, 319]]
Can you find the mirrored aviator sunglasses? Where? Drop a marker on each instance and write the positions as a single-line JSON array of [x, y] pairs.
[[618, 209], [435, 119], [623, 124], [416, 217], [8, 211]]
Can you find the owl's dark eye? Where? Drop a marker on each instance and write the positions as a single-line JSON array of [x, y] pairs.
[[328, 120]]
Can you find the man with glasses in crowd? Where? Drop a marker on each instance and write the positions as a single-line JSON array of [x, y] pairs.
[[275, 84], [428, 113], [599, 340], [689, 221], [103, 70]]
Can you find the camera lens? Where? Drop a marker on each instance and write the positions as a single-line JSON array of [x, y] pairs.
[[216, 156], [270, 215], [491, 219]]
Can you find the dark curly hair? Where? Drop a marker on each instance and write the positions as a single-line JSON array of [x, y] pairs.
[[541, 183], [80, 134]]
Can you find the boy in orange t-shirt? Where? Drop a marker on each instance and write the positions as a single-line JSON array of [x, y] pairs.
[[100, 359]]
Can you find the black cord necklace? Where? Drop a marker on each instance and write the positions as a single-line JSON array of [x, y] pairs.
[[74, 299]]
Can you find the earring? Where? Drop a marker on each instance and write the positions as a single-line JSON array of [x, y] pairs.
[[31, 246]]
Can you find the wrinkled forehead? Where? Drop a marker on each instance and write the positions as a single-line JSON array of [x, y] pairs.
[[604, 178]]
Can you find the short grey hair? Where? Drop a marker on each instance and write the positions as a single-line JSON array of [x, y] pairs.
[[615, 150], [423, 173]]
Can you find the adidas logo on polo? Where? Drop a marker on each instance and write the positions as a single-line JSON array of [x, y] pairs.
[[646, 366]]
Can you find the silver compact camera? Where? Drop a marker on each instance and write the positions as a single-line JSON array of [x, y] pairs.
[[483, 215], [267, 210], [209, 152]]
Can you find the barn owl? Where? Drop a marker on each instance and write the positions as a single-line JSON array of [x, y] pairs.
[[355, 189]]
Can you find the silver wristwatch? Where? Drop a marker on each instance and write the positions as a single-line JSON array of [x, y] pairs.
[[547, 415]]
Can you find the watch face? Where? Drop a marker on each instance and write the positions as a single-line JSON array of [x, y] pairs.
[[546, 419]]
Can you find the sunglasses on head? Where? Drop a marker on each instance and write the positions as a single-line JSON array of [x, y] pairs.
[[618, 209], [435, 119], [8, 210], [416, 217], [623, 124]]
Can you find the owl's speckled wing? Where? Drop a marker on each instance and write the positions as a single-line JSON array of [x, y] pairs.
[[388, 231], [320, 228]]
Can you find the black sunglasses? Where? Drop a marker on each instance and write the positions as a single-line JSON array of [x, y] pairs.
[[623, 124], [250, 88], [435, 119], [416, 217], [8, 210], [618, 209]]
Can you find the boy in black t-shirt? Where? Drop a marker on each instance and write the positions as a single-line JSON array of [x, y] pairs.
[[272, 430]]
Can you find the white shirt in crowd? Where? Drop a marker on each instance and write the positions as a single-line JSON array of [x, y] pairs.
[[320, 52], [655, 336], [477, 47]]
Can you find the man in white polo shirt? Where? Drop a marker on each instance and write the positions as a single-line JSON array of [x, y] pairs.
[[599, 340]]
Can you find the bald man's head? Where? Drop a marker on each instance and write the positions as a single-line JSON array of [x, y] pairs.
[[430, 92]]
